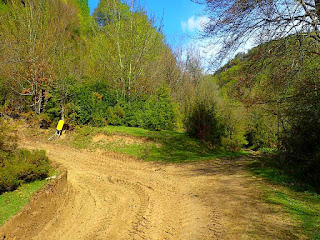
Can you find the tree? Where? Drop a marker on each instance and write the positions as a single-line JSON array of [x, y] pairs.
[[125, 46], [35, 49], [235, 22]]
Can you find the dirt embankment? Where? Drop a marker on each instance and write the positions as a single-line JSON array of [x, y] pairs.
[[112, 196], [33, 217]]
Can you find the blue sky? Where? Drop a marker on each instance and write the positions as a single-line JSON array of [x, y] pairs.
[[180, 17]]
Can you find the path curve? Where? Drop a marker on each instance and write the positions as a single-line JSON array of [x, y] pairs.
[[112, 196]]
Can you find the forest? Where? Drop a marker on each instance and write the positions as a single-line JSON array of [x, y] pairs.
[[115, 68]]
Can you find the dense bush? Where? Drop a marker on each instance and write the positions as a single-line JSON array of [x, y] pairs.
[[8, 142], [204, 123], [157, 112], [97, 105], [92, 103], [300, 144], [22, 166], [261, 131], [16, 165]]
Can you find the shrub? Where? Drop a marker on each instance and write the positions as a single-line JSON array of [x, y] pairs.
[[261, 132], [33, 165], [115, 115], [92, 102], [8, 180], [23, 166], [157, 112], [96, 104], [234, 143], [8, 141], [300, 144], [204, 123]]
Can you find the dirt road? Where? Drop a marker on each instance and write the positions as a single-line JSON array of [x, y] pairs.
[[111, 196]]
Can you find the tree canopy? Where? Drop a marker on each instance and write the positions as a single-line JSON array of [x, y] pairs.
[[235, 22]]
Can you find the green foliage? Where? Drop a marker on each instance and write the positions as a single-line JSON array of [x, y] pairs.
[[8, 141], [300, 144], [214, 115], [235, 121], [233, 143], [204, 123], [12, 202], [90, 102], [115, 115], [16, 165], [265, 79], [158, 112], [96, 105], [278, 83], [3, 93], [260, 131], [166, 146], [22, 166], [97, 73]]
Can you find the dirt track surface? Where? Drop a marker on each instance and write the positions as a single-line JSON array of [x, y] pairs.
[[110, 196]]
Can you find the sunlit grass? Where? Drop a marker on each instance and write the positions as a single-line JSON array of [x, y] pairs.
[[12, 202], [167, 146], [296, 198]]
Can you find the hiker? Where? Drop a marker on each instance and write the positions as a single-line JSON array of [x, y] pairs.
[[60, 126], [59, 129]]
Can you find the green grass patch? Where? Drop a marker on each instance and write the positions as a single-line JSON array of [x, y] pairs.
[[12, 202], [296, 197], [167, 146]]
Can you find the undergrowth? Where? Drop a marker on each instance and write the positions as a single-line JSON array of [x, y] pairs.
[[299, 199], [22, 166]]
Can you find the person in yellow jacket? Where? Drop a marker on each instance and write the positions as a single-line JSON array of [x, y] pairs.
[[59, 129]]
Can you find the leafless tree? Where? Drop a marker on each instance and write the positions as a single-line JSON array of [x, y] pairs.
[[235, 22]]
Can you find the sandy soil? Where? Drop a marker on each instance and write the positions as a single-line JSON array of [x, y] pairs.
[[112, 196]]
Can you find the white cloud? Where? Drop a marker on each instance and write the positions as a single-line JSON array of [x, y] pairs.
[[194, 23]]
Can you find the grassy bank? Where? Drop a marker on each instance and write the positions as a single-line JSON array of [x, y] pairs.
[[297, 198], [167, 146], [12, 202]]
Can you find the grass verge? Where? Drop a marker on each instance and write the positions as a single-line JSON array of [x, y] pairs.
[[167, 146], [298, 199], [12, 202]]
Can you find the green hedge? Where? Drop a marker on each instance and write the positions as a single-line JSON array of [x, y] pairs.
[[204, 123], [22, 166], [97, 105]]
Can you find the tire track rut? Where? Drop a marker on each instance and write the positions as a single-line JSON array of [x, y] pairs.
[[116, 197], [112, 196]]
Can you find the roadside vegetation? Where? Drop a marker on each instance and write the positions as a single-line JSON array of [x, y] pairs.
[[294, 195], [12, 202], [18, 166], [22, 172], [164, 146]]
